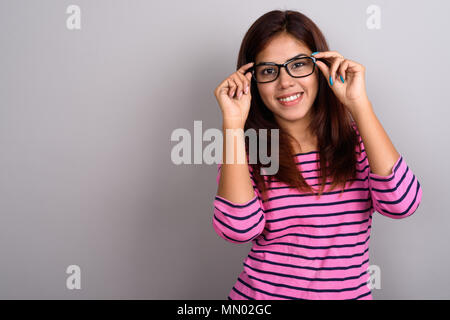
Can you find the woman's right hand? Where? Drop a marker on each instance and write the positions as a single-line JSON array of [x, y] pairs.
[[234, 97]]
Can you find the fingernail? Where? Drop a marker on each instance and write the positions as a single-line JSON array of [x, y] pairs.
[[246, 89], [331, 81], [239, 95], [314, 53], [342, 79]]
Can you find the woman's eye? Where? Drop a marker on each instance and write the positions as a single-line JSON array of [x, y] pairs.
[[298, 64], [267, 71]]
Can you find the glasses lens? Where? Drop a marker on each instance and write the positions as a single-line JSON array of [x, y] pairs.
[[265, 73], [301, 67]]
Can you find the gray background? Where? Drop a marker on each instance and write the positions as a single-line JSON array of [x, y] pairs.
[[86, 117]]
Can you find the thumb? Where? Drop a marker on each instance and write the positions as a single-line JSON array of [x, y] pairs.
[[248, 75], [324, 68]]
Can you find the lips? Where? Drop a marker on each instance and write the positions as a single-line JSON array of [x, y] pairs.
[[291, 102]]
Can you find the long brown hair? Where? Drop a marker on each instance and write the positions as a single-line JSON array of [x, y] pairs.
[[331, 121]]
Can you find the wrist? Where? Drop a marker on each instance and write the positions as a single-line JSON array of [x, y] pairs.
[[360, 108], [232, 124]]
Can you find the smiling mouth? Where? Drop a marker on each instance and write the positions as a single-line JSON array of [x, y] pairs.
[[291, 99]]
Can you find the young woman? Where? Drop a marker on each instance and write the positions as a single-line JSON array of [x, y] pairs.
[[310, 223]]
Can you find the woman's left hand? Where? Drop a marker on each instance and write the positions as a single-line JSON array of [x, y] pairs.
[[352, 91]]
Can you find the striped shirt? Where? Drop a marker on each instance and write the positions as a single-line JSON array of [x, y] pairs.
[[309, 248]]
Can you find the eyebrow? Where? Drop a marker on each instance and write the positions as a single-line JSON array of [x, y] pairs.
[[297, 56]]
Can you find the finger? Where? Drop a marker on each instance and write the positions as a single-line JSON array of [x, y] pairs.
[[354, 66], [342, 70], [323, 68], [248, 73], [249, 76], [245, 82], [334, 66], [243, 69], [223, 88], [239, 84], [328, 54], [232, 87]]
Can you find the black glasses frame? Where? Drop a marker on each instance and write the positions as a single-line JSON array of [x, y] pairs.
[[284, 65]]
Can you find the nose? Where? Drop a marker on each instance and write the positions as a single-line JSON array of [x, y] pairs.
[[285, 79]]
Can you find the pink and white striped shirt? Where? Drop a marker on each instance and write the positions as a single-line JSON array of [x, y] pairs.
[[304, 248]]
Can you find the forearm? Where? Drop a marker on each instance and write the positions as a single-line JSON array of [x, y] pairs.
[[380, 151], [235, 183]]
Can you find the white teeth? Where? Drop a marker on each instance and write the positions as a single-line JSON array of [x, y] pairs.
[[291, 97]]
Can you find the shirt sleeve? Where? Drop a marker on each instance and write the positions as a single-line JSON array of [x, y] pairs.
[[238, 222], [397, 195]]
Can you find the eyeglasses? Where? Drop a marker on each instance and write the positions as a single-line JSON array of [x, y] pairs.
[[297, 67]]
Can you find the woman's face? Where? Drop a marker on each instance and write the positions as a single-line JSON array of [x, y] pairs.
[[280, 49]]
